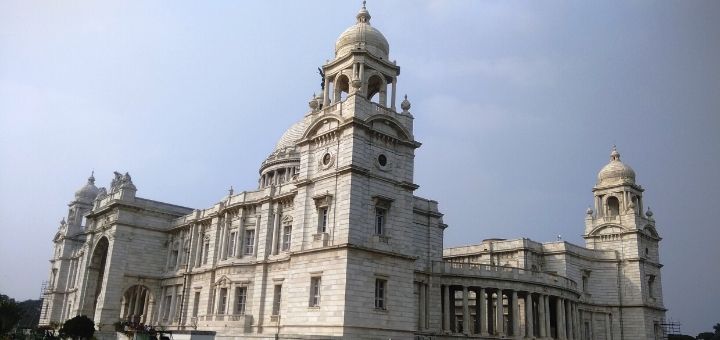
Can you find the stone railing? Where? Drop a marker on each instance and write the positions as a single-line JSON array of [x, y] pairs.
[[382, 109], [503, 273]]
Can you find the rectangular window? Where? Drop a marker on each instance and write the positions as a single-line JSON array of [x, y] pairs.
[[206, 252], [322, 219], [173, 259], [196, 304], [231, 244], [380, 291], [380, 216], [287, 236], [277, 294], [240, 299], [222, 303], [166, 310], [249, 242], [315, 291], [651, 283]]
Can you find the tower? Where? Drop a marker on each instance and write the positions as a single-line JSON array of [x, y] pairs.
[[618, 224], [350, 160], [65, 260]]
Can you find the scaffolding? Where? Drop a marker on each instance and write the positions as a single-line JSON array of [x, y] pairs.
[[670, 327]]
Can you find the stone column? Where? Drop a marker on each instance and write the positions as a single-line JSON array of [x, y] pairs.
[[361, 75], [394, 89], [569, 320], [500, 313], [173, 304], [548, 328], [221, 239], [515, 314], [136, 303], [466, 311], [560, 318], [541, 316], [446, 304], [257, 236], [578, 324], [608, 329], [529, 331], [483, 312], [326, 92], [276, 225], [423, 291], [146, 307], [241, 231]]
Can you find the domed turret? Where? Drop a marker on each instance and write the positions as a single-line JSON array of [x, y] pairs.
[[616, 172], [88, 192], [362, 36]]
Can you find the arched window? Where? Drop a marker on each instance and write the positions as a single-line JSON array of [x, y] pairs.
[[342, 88], [613, 205], [376, 89]]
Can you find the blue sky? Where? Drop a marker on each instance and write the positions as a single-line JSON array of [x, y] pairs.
[[517, 105]]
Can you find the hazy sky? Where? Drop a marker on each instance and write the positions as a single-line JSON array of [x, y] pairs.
[[517, 105]]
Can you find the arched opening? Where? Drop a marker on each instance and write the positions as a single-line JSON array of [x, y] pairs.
[[95, 276], [342, 88], [613, 205], [376, 89], [135, 306], [634, 205]]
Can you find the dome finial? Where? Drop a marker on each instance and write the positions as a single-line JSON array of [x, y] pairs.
[[363, 16], [91, 179], [614, 155]]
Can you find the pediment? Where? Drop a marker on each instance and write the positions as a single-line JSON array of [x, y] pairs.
[[223, 281], [388, 126], [607, 230]]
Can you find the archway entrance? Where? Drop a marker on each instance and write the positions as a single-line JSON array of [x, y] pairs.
[[95, 275], [136, 304]]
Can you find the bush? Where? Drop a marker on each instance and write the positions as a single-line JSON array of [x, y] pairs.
[[79, 327]]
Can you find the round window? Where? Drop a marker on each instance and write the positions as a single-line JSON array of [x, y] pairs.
[[382, 160], [326, 159]]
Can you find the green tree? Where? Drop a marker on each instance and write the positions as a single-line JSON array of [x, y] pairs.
[[79, 327], [10, 314], [705, 336]]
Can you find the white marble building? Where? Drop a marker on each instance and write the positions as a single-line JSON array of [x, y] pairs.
[[334, 244]]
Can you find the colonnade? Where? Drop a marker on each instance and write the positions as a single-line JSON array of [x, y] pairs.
[[136, 304], [277, 176], [508, 313]]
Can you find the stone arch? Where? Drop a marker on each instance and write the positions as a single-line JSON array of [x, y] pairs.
[[135, 304], [613, 206], [393, 123], [95, 275], [377, 85], [318, 126], [341, 85]]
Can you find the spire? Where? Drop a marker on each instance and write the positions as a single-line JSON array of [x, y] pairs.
[[91, 179], [363, 16], [614, 155]]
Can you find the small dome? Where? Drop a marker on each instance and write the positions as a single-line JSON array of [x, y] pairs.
[[362, 35], [89, 191], [616, 171]]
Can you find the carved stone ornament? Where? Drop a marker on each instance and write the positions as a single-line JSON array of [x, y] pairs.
[[323, 200]]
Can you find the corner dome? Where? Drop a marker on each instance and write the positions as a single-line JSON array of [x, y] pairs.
[[616, 172], [88, 192], [363, 36]]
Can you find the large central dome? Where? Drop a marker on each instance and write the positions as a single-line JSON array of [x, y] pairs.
[[362, 36]]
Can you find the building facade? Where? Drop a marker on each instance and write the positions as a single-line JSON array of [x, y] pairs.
[[334, 244]]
